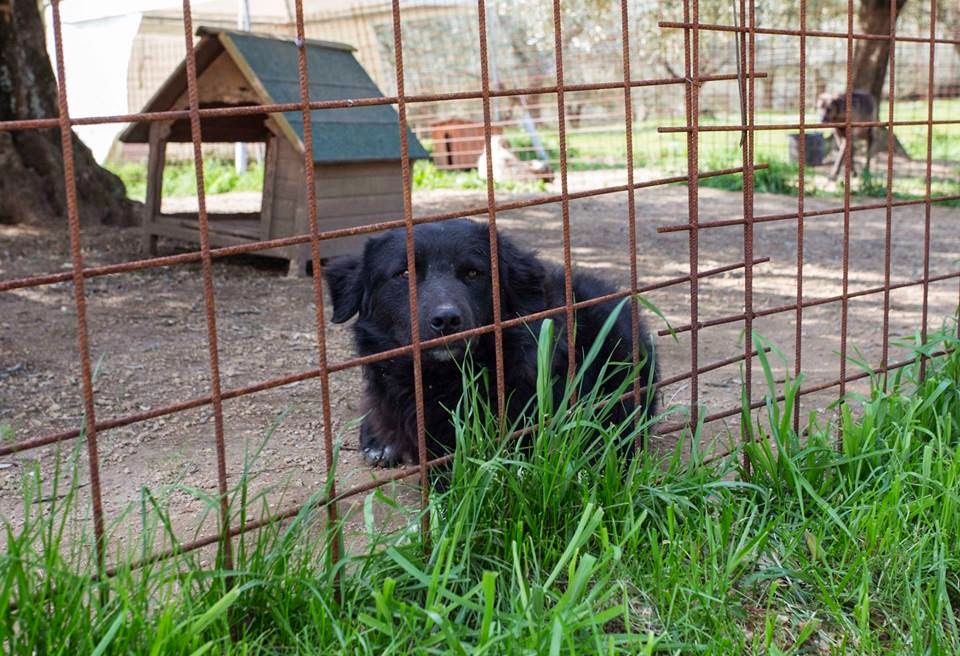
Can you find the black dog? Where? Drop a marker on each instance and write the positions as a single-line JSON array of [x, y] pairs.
[[454, 294]]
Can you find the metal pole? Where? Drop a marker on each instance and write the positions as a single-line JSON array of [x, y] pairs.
[[243, 23]]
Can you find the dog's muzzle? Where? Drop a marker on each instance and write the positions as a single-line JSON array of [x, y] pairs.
[[447, 352]]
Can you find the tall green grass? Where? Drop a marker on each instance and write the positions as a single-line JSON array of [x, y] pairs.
[[557, 545]]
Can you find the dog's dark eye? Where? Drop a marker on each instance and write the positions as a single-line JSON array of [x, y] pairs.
[[402, 274], [472, 273]]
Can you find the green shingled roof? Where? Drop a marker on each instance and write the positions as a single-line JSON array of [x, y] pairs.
[[350, 134], [353, 134]]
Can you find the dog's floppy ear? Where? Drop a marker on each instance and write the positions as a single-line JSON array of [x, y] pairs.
[[346, 287], [521, 278]]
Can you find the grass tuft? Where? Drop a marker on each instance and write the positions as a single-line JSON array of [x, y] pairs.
[[555, 544]]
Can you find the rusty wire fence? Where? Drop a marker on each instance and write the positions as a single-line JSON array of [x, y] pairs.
[[690, 29]]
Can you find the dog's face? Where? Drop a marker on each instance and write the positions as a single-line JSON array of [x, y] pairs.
[[828, 107], [454, 287]]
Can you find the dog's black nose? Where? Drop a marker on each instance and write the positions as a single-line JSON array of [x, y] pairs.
[[446, 319]]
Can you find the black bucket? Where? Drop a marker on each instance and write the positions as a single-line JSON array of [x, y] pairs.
[[815, 148]]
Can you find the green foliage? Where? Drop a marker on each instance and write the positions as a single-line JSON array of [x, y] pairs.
[[426, 176], [777, 178], [598, 147], [180, 179], [555, 545]]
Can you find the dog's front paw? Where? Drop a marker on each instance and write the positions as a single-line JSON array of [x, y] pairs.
[[382, 455], [376, 451]]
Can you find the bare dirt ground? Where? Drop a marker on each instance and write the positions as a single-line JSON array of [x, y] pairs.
[[148, 334]]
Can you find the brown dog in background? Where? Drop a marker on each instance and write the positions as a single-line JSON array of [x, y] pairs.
[[833, 109]]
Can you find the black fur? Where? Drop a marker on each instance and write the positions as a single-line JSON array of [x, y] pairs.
[[454, 292]]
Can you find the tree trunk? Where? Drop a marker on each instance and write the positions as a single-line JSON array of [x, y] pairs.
[[870, 58], [31, 165]]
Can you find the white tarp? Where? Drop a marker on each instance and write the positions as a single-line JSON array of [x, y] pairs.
[[98, 36], [97, 40], [96, 55]]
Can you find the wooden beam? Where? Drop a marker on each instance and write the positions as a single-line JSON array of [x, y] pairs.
[[269, 186], [159, 131]]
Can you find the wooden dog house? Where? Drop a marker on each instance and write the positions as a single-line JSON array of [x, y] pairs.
[[356, 150]]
